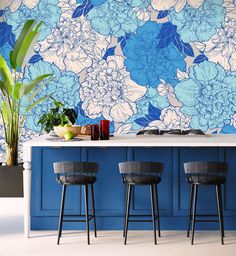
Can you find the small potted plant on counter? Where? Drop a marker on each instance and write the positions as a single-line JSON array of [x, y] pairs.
[[59, 115], [13, 90]]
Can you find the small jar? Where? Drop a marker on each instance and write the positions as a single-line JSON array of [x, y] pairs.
[[104, 129], [94, 132]]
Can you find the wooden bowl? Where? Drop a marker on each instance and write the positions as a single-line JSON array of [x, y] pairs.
[[60, 131]]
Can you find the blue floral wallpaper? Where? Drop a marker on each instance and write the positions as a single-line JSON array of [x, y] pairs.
[[139, 63]]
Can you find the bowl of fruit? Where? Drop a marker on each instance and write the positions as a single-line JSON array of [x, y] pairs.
[[67, 131]]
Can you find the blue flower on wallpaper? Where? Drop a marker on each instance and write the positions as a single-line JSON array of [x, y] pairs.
[[46, 11], [116, 17], [208, 95], [199, 24], [146, 62], [97, 2], [64, 87]]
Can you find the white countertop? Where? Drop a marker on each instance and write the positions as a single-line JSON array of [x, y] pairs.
[[215, 140]]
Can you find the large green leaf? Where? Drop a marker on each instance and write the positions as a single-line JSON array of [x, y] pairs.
[[7, 78], [6, 112], [30, 86], [18, 91], [44, 83], [27, 48], [36, 103], [3, 88], [25, 30], [38, 26]]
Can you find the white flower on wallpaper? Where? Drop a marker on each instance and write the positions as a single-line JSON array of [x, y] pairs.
[[230, 6], [221, 48], [13, 5], [73, 45], [108, 90], [142, 13], [67, 7], [233, 121], [178, 5], [171, 118]]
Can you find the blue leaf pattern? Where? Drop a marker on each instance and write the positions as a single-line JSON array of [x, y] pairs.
[[109, 52], [122, 40], [200, 58], [153, 114], [188, 50], [167, 34], [142, 121], [35, 58], [82, 9], [162, 14]]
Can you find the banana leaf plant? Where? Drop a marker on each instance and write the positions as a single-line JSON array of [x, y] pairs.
[[13, 89]]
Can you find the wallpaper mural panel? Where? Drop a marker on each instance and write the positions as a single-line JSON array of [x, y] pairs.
[[138, 63]]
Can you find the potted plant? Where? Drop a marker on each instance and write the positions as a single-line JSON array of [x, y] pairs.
[[58, 115], [12, 91]]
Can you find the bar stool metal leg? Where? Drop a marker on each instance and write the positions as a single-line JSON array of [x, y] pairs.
[[86, 211], [93, 210], [157, 210], [194, 210], [190, 209], [218, 196], [127, 212], [126, 195], [221, 207], [153, 213], [63, 194]]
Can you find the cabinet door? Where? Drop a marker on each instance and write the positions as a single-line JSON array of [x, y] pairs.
[[109, 189], [229, 201], [206, 196], [46, 192], [141, 201]]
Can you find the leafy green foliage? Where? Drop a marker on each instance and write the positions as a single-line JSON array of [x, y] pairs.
[[59, 115], [13, 90]]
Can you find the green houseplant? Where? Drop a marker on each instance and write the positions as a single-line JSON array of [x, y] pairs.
[[13, 89], [58, 115]]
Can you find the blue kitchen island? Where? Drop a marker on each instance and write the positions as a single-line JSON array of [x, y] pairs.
[[42, 193]]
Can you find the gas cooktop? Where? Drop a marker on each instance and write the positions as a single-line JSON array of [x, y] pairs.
[[170, 132]]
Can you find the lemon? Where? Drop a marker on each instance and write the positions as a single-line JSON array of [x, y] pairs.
[[67, 125], [68, 135]]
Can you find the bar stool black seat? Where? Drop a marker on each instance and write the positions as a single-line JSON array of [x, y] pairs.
[[141, 173], [76, 173], [205, 173]]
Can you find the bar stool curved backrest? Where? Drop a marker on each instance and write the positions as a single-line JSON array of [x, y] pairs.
[[69, 173], [141, 172], [206, 172]]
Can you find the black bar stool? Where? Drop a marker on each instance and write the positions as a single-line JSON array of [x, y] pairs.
[[76, 173], [205, 173], [141, 173]]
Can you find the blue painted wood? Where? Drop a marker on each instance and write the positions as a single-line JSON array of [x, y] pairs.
[[46, 192], [109, 190]]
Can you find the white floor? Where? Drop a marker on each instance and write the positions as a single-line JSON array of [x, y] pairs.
[[12, 242]]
